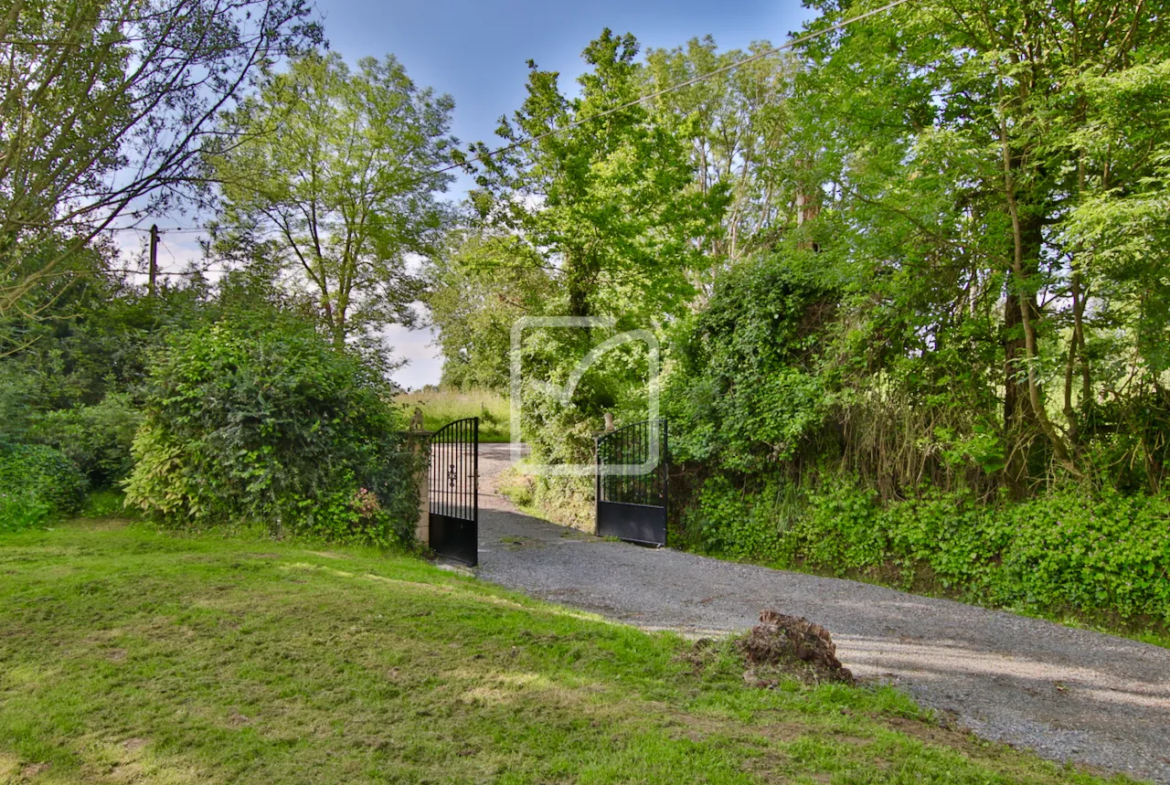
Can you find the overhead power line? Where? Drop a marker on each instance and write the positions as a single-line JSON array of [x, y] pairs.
[[614, 110], [201, 271], [163, 230], [679, 86]]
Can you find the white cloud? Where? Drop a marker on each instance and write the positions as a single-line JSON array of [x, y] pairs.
[[424, 362]]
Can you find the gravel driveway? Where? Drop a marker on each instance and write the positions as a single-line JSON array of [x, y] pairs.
[[1067, 694]]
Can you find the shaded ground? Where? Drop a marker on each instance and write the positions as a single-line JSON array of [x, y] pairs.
[[1068, 694]]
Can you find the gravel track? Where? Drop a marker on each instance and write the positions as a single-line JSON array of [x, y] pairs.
[[1067, 694]]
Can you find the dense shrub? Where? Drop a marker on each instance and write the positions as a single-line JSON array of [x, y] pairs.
[[745, 391], [37, 483], [96, 438], [1070, 549], [16, 395], [263, 420]]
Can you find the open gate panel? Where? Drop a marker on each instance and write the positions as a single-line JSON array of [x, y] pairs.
[[632, 483], [454, 491]]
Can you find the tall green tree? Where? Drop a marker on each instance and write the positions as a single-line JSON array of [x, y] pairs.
[[952, 136], [476, 291], [603, 190], [335, 177], [736, 121]]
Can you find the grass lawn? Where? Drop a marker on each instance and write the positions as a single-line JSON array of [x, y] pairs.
[[440, 408], [133, 656]]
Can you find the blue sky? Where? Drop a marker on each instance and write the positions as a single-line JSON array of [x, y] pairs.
[[477, 53]]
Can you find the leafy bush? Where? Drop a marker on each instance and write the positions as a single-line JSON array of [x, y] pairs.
[[20, 509], [725, 522], [37, 483], [263, 420], [1109, 551], [96, 438], [1068, 550], [745, 391]]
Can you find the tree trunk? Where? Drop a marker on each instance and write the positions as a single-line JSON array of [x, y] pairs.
[[1017, 412], [1027, 231], [581, 271]]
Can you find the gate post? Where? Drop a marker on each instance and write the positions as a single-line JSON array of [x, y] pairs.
[[419, 444]]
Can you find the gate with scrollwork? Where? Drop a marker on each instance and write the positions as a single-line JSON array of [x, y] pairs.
[[454, 491], [632, 472]]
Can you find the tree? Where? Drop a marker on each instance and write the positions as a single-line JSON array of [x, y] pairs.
[[953, 134], [737, 124], [476, 292], [604, 191], [336, 170], [104, 107]]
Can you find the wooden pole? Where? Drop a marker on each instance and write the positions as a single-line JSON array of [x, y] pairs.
[[153, 259]]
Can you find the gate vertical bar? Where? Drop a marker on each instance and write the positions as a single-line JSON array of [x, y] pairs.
[[464, 502], [596, 481], [664, 462], [475, 477]]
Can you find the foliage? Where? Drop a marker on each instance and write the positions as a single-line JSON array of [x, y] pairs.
[[610, 199], [73, 376], [260, 653], [105, 106], [476, 292], [260, 419], [737, 123], [335, 181], [38, 484], [1068, 550], [22, 509], [745, 388], [106, 504], [962, 148], [95, 438], [15, 403]]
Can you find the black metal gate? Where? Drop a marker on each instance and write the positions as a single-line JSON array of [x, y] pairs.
[[632, 483], [454, 491]]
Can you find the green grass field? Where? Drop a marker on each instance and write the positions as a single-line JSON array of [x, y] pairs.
[[440, 408], [129, 655]]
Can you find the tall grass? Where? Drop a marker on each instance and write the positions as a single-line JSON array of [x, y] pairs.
[[444, 406]]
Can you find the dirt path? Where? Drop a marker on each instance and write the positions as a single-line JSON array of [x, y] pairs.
[[1067, 694]]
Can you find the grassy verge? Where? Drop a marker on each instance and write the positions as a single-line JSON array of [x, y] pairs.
[[129, 655], [442, 407]]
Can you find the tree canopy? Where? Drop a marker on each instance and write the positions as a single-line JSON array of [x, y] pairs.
[[104, 107], [334, 177]]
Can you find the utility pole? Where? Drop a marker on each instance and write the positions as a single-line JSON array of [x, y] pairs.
[[153, 258]]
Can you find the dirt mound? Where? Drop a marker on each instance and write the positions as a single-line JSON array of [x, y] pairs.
[[783, 641]]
